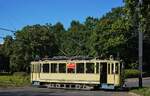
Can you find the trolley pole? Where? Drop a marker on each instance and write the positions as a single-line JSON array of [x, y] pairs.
[[140, 43]]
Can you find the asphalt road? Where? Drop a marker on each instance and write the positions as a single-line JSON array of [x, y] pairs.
[[134, 82], [30, 91]]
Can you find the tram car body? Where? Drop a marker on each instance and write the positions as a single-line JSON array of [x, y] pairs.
[[78, 74]]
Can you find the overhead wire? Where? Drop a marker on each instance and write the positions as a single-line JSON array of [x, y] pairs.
[[6, 29]]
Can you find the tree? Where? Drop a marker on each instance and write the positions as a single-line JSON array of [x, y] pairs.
[[59, 33], [6, 50], [76, 26], [132, 6], [108, 37], [30, 42], [90, 23], [115, 34]]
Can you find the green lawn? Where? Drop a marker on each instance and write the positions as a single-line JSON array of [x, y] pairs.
[[14, 81], [142, 91]]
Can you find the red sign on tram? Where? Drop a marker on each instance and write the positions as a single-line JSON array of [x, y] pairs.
[[71, 65]]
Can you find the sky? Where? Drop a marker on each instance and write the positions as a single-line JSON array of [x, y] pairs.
[[15, 14]]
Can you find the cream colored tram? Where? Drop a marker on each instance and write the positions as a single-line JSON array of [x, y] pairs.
[[78, 74]]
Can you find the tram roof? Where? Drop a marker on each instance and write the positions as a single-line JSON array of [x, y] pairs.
[[57, 59]]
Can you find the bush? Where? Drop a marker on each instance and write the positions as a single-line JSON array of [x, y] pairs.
[[131, 73], [20, 74]]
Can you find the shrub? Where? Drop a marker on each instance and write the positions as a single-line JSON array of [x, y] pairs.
[[131, 73]]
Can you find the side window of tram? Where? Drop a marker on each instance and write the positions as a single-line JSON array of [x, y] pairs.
[[38, 68], [97, 67], [45, 68], [35, 68], [62, 68], [116, 68], [89, 67], [32, 68], [80, 67], [112, 68], [71, 67], [109, 68], [40, 65], [53, 68], [71, 70]]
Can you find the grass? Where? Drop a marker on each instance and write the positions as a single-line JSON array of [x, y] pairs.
[[14, 81], [142, 91]]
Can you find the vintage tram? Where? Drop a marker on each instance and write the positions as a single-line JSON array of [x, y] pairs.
[[77, 73]]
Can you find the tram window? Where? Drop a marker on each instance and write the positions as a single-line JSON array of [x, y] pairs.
[[112, 68], [53, 68], [71, 67], [71, 70], [45, 68], [116, 68], [40, 68], [62, 68], [89, 67], [108, 68], [32, 68], [80, 67], [35, 68], [97, 67]]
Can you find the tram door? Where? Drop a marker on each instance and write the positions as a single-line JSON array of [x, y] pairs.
[[103, 72]]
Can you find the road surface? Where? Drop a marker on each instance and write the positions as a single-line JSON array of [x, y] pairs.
[[30, 91], [133, 82]]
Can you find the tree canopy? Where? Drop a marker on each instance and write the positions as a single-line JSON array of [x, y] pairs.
[[115, 33]]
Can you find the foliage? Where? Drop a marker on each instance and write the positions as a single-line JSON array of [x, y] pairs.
[[30, 42], [133, 65], [131, 73], [133, 8], [109, 35], [115, 33]]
